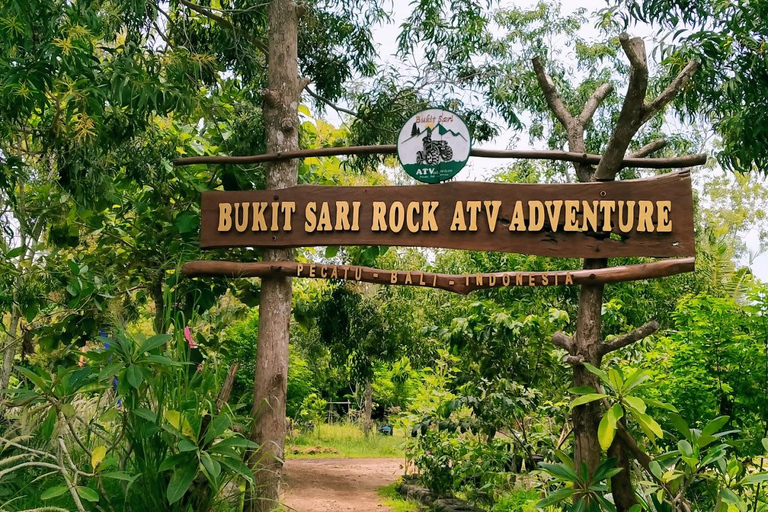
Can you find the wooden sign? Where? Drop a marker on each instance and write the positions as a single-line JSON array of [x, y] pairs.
[[647, 217]]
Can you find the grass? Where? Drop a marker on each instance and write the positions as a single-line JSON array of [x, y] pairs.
[[395, 501], [344, 440]]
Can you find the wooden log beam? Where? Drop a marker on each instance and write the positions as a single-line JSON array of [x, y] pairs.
[[532, 154], [457, 283]]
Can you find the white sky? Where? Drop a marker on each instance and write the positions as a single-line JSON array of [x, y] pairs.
[[481, 168]]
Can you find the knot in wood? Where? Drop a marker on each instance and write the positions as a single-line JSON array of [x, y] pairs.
[[286, 125]]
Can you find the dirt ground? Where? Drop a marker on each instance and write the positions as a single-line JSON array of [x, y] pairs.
[[338, 485]]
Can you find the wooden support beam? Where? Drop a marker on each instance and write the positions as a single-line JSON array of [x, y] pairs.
[[532, 154], [457, 283]]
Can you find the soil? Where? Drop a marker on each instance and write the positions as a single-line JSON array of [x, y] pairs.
[[338, 485]]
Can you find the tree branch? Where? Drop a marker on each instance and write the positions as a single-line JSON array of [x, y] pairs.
[[632, 111], [330, 103], [564, 342], [629, 338], [649, 148], [552, 96], [594, 101], [672, 90], [224, 22]]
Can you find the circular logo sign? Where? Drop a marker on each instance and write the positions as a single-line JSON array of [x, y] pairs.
[[434, 145]]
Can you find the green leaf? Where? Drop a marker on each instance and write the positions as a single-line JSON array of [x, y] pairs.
[[635, 403], [728, 496], [212, 467], [36, 379], [217, 427], [180, 423], [238, 467], [685, 448], [661, 405], [15, 252], [156, 341], [585, 399], [181, 479], [165, 361], [757, 478], [606, 431], [556, 497], [187, 221], [68, 410], [46, 428], [764, 442], [53, 492], [233, 442], [634, 380], [606, 470], [145, 414], [134, 375], [88, 494], [713, 426], [110, 371], [120, 475], [185, 445], [648, 424], [560, 471], [97, 455], [331, 251], [681, 425], [174, 461], [600, 373]]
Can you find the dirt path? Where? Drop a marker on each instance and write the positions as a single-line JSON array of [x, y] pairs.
[[338, 485]]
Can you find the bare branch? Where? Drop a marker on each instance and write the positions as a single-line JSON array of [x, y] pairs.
[[573, 360], [552, 96], [672, 90], [594, 101], [632, 110], [649, 148], [629, 338], [330, 103], [562, 341]]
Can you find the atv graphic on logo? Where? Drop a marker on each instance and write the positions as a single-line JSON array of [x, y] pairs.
[[434, 145]]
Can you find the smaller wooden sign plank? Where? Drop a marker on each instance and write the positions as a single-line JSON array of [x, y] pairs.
[[456, 283], [647, 217]]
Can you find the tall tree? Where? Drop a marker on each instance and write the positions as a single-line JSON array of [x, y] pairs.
[[585, 346], [281, 121]]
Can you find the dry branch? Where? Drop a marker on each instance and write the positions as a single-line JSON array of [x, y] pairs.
[[456, 283], [565, 156], [635, 111], [649, 148], [629, 338], [563, 341]]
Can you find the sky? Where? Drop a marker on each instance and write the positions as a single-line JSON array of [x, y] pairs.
[[481, 168]]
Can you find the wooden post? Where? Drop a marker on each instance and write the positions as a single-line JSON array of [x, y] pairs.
[[281, 102]]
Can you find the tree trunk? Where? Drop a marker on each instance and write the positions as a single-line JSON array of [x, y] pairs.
[[9, 354], [587, 338], [158, 298], [368, 408], [621, 484], [281, 102]]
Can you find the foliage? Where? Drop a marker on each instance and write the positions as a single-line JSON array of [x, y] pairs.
[[152, 421], [586, 491], [727, 39]]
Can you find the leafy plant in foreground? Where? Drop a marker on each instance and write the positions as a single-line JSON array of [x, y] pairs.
[[587, 493]]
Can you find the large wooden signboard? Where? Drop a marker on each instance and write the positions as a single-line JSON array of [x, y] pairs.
[[647, 217]]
